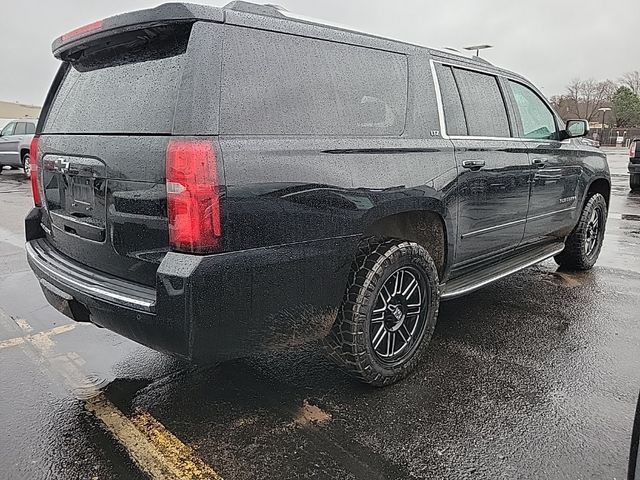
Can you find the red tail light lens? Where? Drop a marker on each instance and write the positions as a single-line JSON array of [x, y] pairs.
[[97, 25], [33, 160], [632, 150], [193, 201]]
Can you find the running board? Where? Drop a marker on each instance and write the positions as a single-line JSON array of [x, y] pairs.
[[479, 278]]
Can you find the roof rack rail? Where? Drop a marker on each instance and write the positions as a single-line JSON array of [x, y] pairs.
[[257, 9]]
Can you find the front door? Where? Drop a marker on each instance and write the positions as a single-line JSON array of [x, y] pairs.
[[555, 168]]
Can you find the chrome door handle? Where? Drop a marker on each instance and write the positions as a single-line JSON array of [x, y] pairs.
[[473, 164], [539, 162]]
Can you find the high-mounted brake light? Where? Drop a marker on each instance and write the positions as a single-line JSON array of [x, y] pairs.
[[193, 199], [33, 161], [97, 25]]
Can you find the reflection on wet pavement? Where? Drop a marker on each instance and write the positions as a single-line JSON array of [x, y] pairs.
[[535, 376]]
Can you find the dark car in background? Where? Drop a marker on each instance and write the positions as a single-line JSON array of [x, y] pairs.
[[15, 140], [634, 164], [268, 181]]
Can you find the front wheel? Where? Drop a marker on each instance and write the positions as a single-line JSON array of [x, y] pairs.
[[26, 165], [583, 246], [388, 314]]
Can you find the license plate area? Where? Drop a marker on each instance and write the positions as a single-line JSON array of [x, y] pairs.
[[81, 196], [75, 196]]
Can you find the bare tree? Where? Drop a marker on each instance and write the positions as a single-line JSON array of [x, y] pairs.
[[632, 80], [587, 96]]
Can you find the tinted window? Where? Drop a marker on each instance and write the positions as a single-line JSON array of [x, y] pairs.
[[21, 128], [483, 104], [275, 83], [536, 118], [451, 103], [121, 91], [8, 129], [31, 128]]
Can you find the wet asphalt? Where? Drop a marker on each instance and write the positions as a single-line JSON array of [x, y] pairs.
[[534, 376]]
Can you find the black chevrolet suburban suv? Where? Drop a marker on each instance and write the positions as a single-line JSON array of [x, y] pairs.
[[212, 182]]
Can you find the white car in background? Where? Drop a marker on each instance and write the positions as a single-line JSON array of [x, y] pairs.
[[15, 140]]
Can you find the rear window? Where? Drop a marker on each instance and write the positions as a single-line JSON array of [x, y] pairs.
[[279, 84], [125, 89]]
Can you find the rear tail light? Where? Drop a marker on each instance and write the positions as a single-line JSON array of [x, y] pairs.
[[632, 149], [33, 160], [193, 200]]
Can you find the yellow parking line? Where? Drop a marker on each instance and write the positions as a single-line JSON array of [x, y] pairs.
[[37, 337], [155, 450], [186, 463], [12, 342]]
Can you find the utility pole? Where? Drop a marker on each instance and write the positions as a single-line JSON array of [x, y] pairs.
[[604, 110]]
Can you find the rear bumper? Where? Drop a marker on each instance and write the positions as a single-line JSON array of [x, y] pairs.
[[207, 307]]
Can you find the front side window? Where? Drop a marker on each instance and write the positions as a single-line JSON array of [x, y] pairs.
[[8, 130], [538, 121]]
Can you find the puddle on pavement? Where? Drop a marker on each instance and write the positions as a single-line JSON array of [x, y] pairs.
[[92, 386]]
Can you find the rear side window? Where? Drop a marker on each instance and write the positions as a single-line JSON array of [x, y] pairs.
[[453, 111], [483, 104], [121, 90], [31, 128], [21, 128], [278, 84]]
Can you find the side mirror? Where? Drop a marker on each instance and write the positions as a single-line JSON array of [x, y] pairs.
[[576, 128]]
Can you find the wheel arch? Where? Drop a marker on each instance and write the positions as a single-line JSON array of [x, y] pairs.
[[23, 152], [426, 227], [599, 185]]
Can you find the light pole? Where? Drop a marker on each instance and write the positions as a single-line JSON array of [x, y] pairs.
[[604, 110], [477, 48]]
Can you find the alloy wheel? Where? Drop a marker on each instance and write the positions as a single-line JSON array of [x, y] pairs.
[[397, 321]]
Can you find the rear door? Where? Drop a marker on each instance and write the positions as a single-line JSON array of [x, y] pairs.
[[102, 152], [9, 145], [555, 166], [493, 168]]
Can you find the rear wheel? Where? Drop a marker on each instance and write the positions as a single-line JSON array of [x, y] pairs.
[[26, 165], [634, 181], [583, 246], [388, 314]]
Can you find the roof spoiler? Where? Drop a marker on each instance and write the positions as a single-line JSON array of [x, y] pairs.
[[64, 46]]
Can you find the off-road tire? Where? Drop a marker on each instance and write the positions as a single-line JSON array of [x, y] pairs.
[[634, 181], [348, 343], [574, 256]]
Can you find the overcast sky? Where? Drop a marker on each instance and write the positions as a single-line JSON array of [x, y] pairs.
[[548, 41]]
